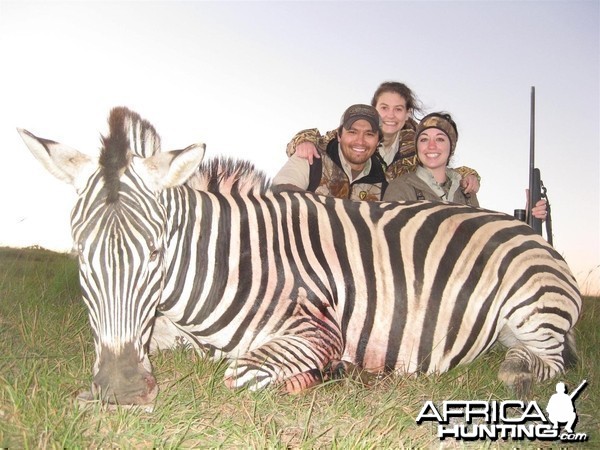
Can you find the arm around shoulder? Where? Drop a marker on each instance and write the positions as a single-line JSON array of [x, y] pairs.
[[311, 135]]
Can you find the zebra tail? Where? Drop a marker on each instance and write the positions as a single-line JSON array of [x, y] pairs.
[[570, 352]]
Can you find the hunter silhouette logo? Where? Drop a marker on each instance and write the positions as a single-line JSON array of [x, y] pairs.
[[561, 408], [471, 420]]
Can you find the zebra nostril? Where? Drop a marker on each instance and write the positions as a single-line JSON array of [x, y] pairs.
[[150, 382]]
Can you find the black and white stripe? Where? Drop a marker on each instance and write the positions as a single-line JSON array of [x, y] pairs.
[[285, 283]]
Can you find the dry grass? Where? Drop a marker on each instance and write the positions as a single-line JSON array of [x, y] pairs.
[[46, 354]]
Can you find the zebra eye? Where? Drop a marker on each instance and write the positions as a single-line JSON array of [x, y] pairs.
[[154, 254]]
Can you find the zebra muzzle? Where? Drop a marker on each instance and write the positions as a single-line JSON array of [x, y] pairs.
[[122, 379]]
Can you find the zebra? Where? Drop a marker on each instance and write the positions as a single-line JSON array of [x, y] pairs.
[[174, 250]]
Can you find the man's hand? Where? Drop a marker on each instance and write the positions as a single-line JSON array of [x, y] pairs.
[[308, 151], [470, 184]]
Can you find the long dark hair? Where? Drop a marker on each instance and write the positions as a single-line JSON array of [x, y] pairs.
[[413, 104]]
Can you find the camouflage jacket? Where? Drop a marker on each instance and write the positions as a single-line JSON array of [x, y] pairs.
[[405, 159], [327, 177]]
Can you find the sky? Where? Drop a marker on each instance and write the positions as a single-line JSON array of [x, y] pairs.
[[244, 77]]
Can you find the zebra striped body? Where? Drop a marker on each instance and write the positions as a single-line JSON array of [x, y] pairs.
[[286, 283]]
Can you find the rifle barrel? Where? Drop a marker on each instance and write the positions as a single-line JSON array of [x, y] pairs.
[[534, 174]]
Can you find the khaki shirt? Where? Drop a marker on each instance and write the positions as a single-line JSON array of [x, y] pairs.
[[421, 185]]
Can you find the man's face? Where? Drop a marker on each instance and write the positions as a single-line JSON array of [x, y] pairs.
[[358, 143]]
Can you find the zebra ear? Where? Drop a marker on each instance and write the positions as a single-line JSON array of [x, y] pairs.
[[169, 169], [65, 163]]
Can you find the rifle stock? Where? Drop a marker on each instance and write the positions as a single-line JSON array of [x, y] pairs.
[[535, 194]]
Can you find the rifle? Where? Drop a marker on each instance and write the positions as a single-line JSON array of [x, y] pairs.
[[537, 190]]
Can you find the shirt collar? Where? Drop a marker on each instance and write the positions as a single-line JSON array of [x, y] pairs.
[[388, 153], [451, 175]]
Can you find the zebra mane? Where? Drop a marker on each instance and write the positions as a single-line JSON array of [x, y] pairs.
[[128, 135], [229, 176]]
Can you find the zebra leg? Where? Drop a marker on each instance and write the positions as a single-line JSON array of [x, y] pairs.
[[515, 371], [295, 357], [292, 363], [522, 364], [166, 335]]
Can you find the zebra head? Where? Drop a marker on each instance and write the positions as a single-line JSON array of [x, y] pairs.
[[119, 231]]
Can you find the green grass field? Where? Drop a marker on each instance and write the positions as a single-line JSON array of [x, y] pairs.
[[46, 358]]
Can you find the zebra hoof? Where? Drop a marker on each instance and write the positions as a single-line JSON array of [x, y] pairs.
[[344, 369], [515, 374]]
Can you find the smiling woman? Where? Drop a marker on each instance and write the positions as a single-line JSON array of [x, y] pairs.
[[436, 138], [435, 142]]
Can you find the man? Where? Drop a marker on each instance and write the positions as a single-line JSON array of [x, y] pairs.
[[348, 167]]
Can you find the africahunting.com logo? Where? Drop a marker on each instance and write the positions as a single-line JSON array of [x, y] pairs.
[[472, 420]]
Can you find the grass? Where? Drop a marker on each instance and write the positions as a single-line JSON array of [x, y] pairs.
[[46, 357]]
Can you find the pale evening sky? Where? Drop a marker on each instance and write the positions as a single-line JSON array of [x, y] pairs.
[[244, 77]]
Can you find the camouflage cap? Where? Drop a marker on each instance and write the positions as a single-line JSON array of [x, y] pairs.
[[357, 112], [441, 121]]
